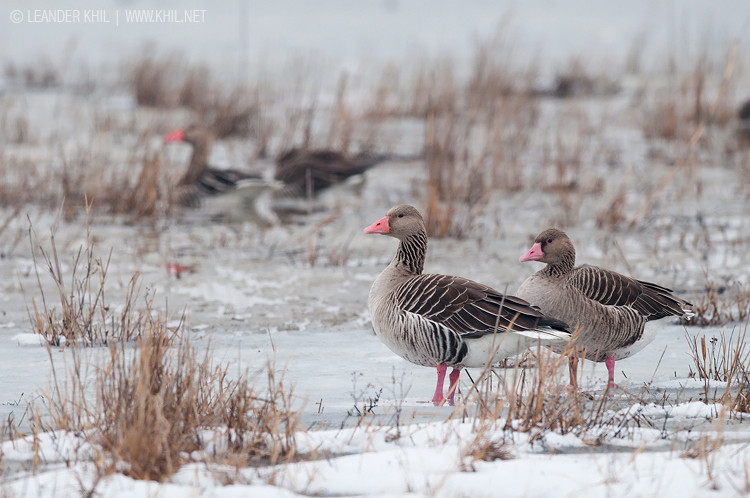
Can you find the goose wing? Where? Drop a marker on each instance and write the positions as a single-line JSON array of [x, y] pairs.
[[614, 289], [467, 307]]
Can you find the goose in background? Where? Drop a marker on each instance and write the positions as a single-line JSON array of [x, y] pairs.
[[308, 172], [439, 320], [607, 312], [201, 180]]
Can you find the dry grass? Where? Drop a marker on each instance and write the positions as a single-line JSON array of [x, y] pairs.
[[674, 111], [152, 402], [534, 401], [14, 121], [726, 360], [84, 315], [721, 304], [482, 130], [578, 80], [485, 134], [706, 449], [697, 120], [484, 447], [720, 360], [85, 181], [169, 81], [153, 82], [476, 133], [42, 73], [612, 216], [155, 402], [163, 404]]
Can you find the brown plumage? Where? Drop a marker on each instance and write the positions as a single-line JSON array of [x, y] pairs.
[[306, 171], [440, 320], [609, 310]]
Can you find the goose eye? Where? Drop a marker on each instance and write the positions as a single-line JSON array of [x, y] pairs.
[[401, 215], [549, 241]]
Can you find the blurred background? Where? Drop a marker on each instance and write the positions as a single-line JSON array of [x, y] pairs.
[[614, 120], [351, 36]]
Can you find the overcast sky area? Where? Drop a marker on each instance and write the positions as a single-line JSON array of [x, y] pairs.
[[341, 34]]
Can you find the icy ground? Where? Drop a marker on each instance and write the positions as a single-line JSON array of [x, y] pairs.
[[252, 295]]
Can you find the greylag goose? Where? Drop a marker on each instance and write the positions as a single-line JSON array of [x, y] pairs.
[[202, 180], [306, 172], [743, 119], [440, 320], [609, 310]]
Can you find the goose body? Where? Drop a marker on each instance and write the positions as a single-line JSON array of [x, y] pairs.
[[609, 310], [200, 180], [311, 171], [439, 320]]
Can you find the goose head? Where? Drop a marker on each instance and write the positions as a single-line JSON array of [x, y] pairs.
[[193, 134], [401, 222], [552, 246]]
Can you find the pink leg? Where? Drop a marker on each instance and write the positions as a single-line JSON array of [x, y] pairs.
[[573, 370], [610, 362], [438, 397], [455, 373]]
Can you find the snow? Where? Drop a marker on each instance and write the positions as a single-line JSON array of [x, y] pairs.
[[427, 459], [31, 339]]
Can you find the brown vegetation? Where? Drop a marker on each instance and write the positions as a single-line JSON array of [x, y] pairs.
[[725, 360], [721, 304], [84, 314], [153, 407], [155, 396]]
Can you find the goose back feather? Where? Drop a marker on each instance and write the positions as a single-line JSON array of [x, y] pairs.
[[432, 319], [300, 169], [610, 310]]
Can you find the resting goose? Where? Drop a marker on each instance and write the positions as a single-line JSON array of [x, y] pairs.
[[201, 180], [440, 320], [305, 170], [609, 309]]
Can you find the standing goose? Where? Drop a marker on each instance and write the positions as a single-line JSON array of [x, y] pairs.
[[200, 179], [610, 309], [439, 320]]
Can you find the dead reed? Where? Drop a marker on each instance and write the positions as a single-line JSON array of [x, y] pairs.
[[152, 80], [688, 117], [169, 81], [85, 314], [484, 134], [153, 402], [725, 360], [674, 111], [41, 73], [475, 136], [86, 181], [721, 304], [534, 401], [163, 403]]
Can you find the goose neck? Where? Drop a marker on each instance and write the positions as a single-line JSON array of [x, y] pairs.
[[411, 253], [563, 266]]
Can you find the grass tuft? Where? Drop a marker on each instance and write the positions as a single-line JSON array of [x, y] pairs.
[[720, 305], [84, 314]]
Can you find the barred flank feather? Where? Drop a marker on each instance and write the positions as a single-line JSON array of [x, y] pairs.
[[610, 309], [432, 319]]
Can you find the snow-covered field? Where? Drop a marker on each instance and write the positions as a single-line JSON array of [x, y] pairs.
[[295, 294]]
